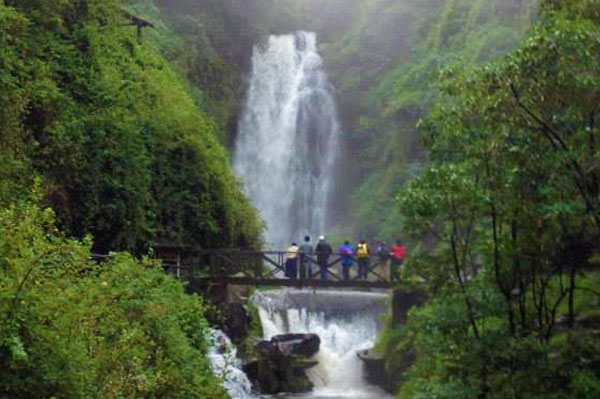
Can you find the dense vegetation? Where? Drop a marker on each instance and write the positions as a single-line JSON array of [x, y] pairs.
[[384, 56], [70, 328], [103, 140], [120, 144], [505, 218], [124, 152], [213, 44]]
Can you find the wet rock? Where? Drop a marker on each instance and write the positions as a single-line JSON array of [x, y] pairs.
[[237, 322], [403, 301], [374, 367], [282, 363], [298, 344], [376, 372]]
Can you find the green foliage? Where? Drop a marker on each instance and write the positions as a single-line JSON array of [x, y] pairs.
[[505, 215], [215, 46], [72, 329], [126, 154], [255, 333], [384, 60], [13, 101]]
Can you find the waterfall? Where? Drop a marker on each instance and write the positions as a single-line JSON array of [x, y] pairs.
[[225, 364], [346, 322], [288, 137]]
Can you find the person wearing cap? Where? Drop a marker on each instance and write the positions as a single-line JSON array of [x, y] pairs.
[[323, 251]]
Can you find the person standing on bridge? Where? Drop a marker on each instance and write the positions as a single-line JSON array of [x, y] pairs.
[[291, 259], [305, 261], [347, 252], [323, 251], [383, 256], [398, 256], [362, 253]]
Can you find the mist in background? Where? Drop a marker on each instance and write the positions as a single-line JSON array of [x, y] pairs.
[[383, 59]]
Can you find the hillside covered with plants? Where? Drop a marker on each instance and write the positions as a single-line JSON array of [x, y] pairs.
[[384, 57], [470, 129], [504, 220], [104, 147], [124, 151]]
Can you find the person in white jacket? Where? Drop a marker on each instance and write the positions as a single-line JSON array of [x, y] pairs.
[[291, 262]]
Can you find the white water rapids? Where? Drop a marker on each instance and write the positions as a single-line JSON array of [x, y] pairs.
[[288, 137], [225, 364], [346, 322]]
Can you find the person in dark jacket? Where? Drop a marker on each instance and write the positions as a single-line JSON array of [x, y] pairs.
[[305, 261], [323, 251], [383, 256]]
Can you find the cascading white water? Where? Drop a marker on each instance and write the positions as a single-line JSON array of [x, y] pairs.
[[288, 138], [346, 322], [225, 364]]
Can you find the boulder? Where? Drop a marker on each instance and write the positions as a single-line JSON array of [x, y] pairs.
[[298, 344], [237, 322], [376, 372], [374, 367], [282, 363]]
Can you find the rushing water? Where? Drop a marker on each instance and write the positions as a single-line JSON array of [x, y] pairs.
[[346, 322], [225, 364], [288, 137], [285, 155]]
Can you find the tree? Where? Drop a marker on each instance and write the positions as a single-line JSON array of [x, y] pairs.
[[509, 202]]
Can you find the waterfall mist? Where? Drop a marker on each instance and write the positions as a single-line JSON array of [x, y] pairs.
[[288, 136]]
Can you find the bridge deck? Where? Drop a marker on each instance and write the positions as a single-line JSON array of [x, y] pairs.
[[275, 282], [232, 267]]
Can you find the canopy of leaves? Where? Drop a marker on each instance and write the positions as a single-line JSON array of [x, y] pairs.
[[506, 217]]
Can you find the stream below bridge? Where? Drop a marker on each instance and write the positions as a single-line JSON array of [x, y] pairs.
[[346, 322]]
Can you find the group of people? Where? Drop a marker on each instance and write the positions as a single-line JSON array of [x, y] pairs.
[[299, 261]]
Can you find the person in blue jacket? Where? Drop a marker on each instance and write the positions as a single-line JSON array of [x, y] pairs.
[[347, 252]]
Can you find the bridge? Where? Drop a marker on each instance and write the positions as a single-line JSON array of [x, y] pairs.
[[221, 268], [204, 268]]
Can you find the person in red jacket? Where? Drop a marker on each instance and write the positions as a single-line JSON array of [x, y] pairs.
[[398, 255]]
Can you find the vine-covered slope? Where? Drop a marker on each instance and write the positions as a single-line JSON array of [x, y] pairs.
[[124, 151]]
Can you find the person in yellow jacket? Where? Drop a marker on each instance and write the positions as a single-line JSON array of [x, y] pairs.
[[363, 253]]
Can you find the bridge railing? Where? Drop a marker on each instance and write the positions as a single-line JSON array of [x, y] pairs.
[[267, 265]]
